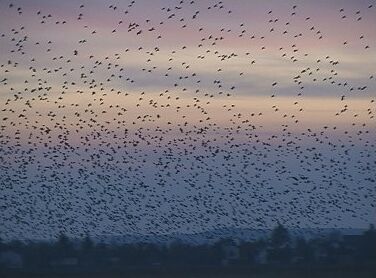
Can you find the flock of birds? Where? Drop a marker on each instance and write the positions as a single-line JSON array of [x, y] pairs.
[[135, 118]]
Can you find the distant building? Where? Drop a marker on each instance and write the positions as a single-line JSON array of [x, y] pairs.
[[65, 262], [113, 261], [231, 252], [351, 241], [351, 244], [11, 259], [261, 257]]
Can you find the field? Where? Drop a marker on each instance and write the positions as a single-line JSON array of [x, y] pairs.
[[204, 273]]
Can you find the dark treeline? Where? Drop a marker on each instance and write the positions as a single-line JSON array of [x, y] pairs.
[[280, 249]]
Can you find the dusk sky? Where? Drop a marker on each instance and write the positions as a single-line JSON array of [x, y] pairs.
[[143, 117]]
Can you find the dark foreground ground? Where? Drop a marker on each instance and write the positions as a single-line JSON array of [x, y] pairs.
[[205, 273]]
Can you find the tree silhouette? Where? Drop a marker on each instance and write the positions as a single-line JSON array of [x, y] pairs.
[[87, 254], [333, 250], [279, 247], [304, 251], [368, 244], [63, 247]]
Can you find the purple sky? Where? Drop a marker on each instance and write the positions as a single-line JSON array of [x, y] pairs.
[[170, 116]]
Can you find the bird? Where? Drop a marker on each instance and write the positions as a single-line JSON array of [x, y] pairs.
[[117, 121]]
